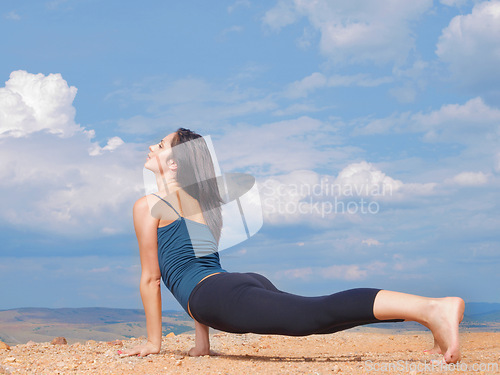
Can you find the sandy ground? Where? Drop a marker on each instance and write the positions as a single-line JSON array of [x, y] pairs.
[[344, 352]]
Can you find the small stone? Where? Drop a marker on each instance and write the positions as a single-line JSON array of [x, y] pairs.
[[59, 341], [4, 346], [115, 343], [178, 363], [171, 334], [9, 360], [4, 370], [30, 343]]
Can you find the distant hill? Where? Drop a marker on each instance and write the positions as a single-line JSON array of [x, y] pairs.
[[482, 312], [86, 315], [18, 326]]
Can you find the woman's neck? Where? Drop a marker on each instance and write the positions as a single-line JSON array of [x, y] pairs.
[[167, 184]]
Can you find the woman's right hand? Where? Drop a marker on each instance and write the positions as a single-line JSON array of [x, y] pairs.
[[141, 350]]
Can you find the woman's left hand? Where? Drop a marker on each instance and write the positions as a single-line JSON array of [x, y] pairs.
[[141, 350]]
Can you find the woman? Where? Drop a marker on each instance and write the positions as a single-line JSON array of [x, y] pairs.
[[178, 231]]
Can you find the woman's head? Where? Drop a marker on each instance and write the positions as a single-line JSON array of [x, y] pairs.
[[186, 156], [183, 147], [195, 169], [159, 158]]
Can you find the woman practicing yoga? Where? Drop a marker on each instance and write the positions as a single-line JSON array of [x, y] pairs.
[[178, 230]]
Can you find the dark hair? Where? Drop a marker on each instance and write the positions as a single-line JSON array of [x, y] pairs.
[[196, 175]]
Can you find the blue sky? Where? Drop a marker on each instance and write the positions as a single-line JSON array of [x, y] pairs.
[[393, 103]]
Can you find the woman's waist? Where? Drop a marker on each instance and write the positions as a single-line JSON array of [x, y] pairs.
[[173, 264], [187, 278], [206, 277]]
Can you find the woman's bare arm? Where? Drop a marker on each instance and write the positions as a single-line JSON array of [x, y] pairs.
[[146, 228]]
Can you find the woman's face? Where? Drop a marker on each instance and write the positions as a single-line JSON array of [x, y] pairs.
[[160, 155]]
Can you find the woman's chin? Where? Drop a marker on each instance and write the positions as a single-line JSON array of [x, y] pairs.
[[147, 165]]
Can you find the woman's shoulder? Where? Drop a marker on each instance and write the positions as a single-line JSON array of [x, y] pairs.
[[142, 206]]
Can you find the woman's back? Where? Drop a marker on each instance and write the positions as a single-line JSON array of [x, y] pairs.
[[182, 202], [187, 250]]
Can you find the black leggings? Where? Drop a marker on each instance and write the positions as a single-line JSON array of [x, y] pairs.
[[248, 302]]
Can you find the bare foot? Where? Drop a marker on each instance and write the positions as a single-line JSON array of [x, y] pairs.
[[445, 314], [435, 350]]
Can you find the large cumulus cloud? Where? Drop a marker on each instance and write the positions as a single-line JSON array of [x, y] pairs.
[[54, 177], [469, 44], [34, 102]]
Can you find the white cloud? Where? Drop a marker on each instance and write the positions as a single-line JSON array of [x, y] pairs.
[[378, 32], [281, 147], [455, 122], [53, 178], [404, 94], [409, 264], [297, 108], [229, 30], [308, 84], [463, 123], [113, 144], [365, 180], [469, 44], [307, 38], [347, 272], [232, 29], [54, 4], [283, 14], [344, 272], [317, 80], [470, 178], [296, 273], [371, 242], [452, 3], [362, 80], [12, 16], [34, 102], [304, 196], [52, 184], [105, 269], [238, 4]]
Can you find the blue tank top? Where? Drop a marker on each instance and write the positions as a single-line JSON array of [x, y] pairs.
[[187, 252]]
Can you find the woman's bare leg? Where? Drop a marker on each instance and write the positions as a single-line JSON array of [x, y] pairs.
[[441, 315]]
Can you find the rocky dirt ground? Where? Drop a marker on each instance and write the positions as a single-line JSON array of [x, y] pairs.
[[345, 352]]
